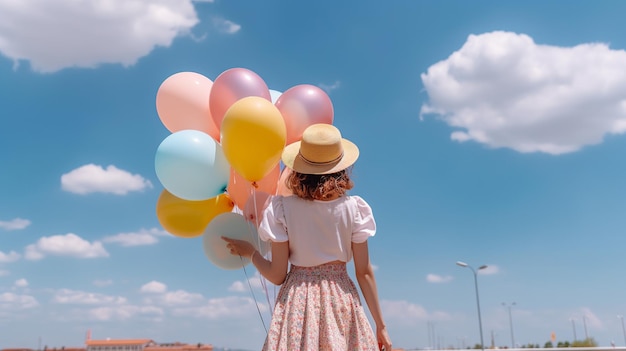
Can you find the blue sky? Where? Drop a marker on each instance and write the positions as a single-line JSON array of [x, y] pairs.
[[490, 132]]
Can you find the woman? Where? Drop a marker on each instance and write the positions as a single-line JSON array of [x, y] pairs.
[[318, 230]]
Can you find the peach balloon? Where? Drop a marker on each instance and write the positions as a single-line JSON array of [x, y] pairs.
[[254, 207], [282, 185], [302, 106], [182, 102], [231, 86], [241, 189]]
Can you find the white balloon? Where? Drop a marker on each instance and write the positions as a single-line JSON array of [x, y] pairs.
[[231, 225]]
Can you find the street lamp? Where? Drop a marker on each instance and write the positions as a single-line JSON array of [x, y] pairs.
[[623, 329], [510, 322], [573, 320], [480, 323], [585, 326], [431, 335]]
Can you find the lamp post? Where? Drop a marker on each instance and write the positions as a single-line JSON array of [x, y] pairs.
[[573, 327], [480, 322], [623, 329], [431, 335], [510, 323]]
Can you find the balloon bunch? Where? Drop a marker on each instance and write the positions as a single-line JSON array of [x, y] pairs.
[[221, 162]]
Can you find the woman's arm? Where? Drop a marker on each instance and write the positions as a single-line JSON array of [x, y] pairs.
[[275, 270], [365, 277]]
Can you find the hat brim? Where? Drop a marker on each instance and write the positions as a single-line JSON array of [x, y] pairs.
[[293, 159]]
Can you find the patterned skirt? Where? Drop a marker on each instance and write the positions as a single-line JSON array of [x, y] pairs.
[[318, 308]]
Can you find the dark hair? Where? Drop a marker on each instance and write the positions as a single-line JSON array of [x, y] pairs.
[[319, 186]]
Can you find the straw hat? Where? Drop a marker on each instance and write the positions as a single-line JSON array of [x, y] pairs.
[[321, 150]]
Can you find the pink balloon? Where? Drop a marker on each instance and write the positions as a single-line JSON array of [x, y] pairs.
[[232, 85], [182, 102], [253, 210], [302, 106], [240, 189]]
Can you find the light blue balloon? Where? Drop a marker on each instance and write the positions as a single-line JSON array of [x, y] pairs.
[[275, 94], [191, 165], [231, 225]]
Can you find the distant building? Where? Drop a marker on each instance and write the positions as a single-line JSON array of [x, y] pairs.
[[141, 345], [118, 344], [179, 347], [63, 348], [125, 345]]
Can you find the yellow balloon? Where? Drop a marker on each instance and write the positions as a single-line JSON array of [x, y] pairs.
[[253, 137], [186, 218]]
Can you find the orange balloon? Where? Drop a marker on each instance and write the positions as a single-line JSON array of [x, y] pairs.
[[186, 218], [241, 189]]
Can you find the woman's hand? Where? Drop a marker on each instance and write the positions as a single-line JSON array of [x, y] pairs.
[[384, 341], [275, 270], [239, 247]]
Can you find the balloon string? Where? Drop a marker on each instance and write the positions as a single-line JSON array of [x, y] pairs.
[[258, 222], [256, 303]]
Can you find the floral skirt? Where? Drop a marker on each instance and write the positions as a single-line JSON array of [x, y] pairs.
[[318, 308]]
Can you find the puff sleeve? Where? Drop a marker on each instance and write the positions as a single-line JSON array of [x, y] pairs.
[[364, 224], [273, 226]]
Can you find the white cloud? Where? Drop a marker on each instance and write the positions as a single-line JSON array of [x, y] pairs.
[[125, 312], [21, 283], [53, 35], [11, 301], [102, 282], [4, 272], [9, 257], [221, 308], [75, 297], [256, 282], [70, 245], [237, 286], [14, 224], [180, 297], [490, 270], [153, 287], [151, 310], [329, 88], [140, 238], [160, 295], [591, 319], [226, 26], [403, 311], [503, 90], [435, 278], [93, 178]]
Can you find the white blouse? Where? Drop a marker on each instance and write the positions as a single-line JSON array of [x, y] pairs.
[[318, 231]]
